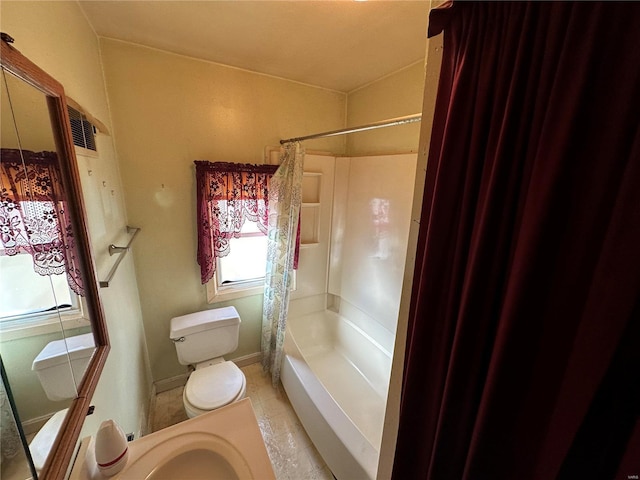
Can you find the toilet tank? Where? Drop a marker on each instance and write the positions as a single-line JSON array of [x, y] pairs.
[[205, 335], [53, 369]]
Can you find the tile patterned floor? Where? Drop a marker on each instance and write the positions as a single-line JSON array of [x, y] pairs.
[[292, 454]]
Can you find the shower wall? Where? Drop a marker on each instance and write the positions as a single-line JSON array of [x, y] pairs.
[[370, 228], [355, 220]]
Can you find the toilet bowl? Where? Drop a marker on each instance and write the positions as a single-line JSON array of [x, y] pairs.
[[212, 386], [201, 340]]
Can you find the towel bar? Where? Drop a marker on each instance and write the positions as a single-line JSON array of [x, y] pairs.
[[119, 250]]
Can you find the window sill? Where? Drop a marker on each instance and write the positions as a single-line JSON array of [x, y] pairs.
[[44, 325], [216, 294]]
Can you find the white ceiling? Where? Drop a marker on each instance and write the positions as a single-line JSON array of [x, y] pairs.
[[340, 45]]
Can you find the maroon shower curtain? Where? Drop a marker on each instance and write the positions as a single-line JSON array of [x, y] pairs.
[[523, 349]]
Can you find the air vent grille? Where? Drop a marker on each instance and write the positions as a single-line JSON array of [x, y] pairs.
[[81, 129]]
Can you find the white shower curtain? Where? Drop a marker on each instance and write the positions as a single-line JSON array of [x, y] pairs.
[[285, 196]]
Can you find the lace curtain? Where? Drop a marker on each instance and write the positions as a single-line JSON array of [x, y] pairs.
[[33, 216], [285, 197], [228, 194]]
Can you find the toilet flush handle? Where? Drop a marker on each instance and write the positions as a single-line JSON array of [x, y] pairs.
[[176, 340]]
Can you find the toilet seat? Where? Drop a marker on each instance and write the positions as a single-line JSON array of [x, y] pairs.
[[41, 444], [213, 387]]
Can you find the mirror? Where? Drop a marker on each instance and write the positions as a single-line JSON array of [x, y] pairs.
[[53, 336], [14, 458], [39, 310]]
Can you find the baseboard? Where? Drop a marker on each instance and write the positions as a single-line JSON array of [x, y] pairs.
[[247, 359], [170, 383], [180, 380], [148, 428], [35, 424]]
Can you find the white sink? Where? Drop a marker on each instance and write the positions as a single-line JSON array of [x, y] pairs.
[[192, 455], [225, 444]]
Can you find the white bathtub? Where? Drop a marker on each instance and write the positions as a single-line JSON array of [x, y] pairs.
[[337, 378]]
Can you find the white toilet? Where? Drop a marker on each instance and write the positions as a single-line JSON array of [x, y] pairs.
[[201, 339], [54, 366], [56, 362], [40, 445]]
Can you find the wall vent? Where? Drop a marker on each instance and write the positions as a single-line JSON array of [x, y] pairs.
[[82, 130]]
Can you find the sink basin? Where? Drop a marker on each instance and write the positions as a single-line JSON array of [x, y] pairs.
[[192, 455], [225, 443]]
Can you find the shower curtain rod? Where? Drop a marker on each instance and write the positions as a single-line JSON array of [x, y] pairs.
[[384, 123]]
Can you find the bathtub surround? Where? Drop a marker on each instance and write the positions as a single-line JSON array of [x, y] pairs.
[[371, 219], [339, 344], [283, 244]]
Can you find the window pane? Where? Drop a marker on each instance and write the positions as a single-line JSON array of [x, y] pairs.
[[24, 291], [247, 260]]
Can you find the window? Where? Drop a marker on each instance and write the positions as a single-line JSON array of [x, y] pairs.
[[33, 304], [241, 272], [247, 258], [233, 213], [37, 249], [27, 293], [232, 226]]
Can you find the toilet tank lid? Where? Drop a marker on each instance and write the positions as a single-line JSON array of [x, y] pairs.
[[55, 352], [205, 320]]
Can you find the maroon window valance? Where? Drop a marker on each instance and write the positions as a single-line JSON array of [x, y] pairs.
[[228, 194], [33, 214]]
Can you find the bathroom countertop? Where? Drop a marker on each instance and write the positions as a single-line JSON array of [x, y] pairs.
[[234, 428]]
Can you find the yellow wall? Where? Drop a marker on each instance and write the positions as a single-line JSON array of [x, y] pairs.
[[169, 110], [24, 121], [395, 95], [57, 37]]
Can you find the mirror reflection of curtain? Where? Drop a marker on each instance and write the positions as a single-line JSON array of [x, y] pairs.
[[33, 215], [10, 445]]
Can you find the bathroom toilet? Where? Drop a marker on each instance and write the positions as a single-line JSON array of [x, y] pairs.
[[201, 340], [41, 444], [59, 366], [62, 363]]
